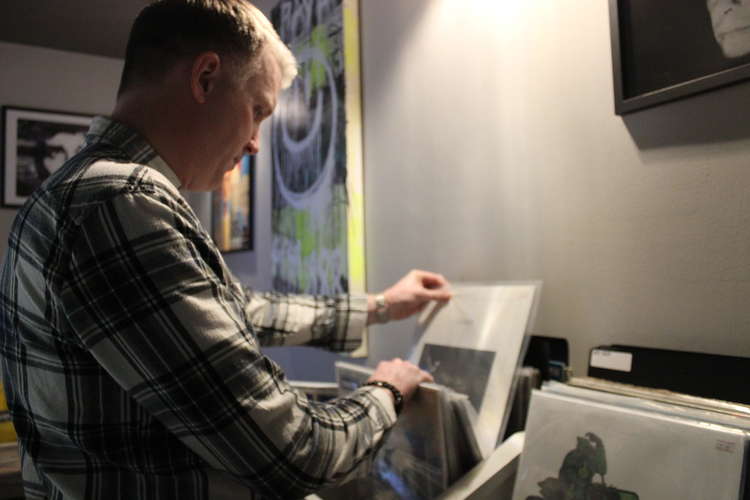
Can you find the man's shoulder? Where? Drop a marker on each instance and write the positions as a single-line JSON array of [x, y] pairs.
[[86, 184], [98, 178], [106, 177]]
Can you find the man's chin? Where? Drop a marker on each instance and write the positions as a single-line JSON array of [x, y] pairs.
[[205, 186]]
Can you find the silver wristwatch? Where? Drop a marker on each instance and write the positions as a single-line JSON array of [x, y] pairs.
[[381, 309]]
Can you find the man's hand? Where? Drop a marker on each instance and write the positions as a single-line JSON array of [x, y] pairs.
[[403, 375], [411, 294]]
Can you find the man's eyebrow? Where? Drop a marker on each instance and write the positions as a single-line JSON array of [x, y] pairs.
[[269, 105]]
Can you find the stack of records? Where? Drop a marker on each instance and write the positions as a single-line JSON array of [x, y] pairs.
[[432, 444], [475, 344], [472, 346], [593, 439]]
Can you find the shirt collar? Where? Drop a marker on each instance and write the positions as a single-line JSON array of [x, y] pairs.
[[130, 142]]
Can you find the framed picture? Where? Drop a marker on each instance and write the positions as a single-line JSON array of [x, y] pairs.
[[667, 50], [317, 223], [36, 143], [232, 208]]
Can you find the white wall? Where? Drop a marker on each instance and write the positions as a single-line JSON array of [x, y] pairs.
[[34, 77], [492, 152]]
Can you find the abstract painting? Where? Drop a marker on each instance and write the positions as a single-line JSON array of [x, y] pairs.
[[317, 202]]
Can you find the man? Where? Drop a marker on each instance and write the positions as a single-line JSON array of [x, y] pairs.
[[131, 356]]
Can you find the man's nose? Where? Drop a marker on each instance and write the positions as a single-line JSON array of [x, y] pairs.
[[253, 146]]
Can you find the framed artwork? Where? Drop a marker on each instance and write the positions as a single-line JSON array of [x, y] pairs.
[[317, 227], [35, 144], [667, 50], [232, 208]]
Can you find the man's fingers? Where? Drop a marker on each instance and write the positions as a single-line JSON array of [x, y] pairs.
[[411, 294], [427, 377], [436, 286], [431, 280], [441, 295]]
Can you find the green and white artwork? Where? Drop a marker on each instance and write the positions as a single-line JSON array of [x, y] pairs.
[[317, 226]]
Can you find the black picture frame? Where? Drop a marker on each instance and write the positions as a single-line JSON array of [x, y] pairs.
[[36, 142], [233, 209], [668, 50]]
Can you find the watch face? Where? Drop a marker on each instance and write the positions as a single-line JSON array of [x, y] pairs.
[[380, 301]]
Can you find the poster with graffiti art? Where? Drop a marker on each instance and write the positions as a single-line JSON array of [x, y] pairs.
[[317, 221], [577, 449]]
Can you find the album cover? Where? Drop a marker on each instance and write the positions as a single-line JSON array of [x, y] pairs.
[[474, 344], [432, 444], [411, 463], [576, 449], [708, 411]]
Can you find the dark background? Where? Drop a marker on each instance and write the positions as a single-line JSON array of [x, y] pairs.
[[667, 42]]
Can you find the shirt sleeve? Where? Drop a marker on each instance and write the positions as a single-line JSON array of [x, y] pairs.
[[334, 323], [148, 299]]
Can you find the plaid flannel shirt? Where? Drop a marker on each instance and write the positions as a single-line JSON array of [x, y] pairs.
[[131, 356]]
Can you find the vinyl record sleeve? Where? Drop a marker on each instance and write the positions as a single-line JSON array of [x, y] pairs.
[[466, 446], [412, 463], [581, 449], [662, 395], [474, 344], [674, 408]]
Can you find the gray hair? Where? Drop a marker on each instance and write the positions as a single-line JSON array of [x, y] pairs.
[[167, 31], [270, 39]]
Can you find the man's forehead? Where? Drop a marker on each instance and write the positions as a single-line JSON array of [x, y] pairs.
[[267, 78], [270, 68]]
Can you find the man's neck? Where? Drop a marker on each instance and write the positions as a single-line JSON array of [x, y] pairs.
[[161, 121]]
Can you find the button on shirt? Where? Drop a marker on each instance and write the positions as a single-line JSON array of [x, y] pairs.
[[131, 356]]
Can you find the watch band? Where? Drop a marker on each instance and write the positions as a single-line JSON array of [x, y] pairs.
[[381, 308], [398, 398]]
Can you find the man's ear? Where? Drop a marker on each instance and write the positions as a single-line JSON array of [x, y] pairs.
[[204, 75]]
